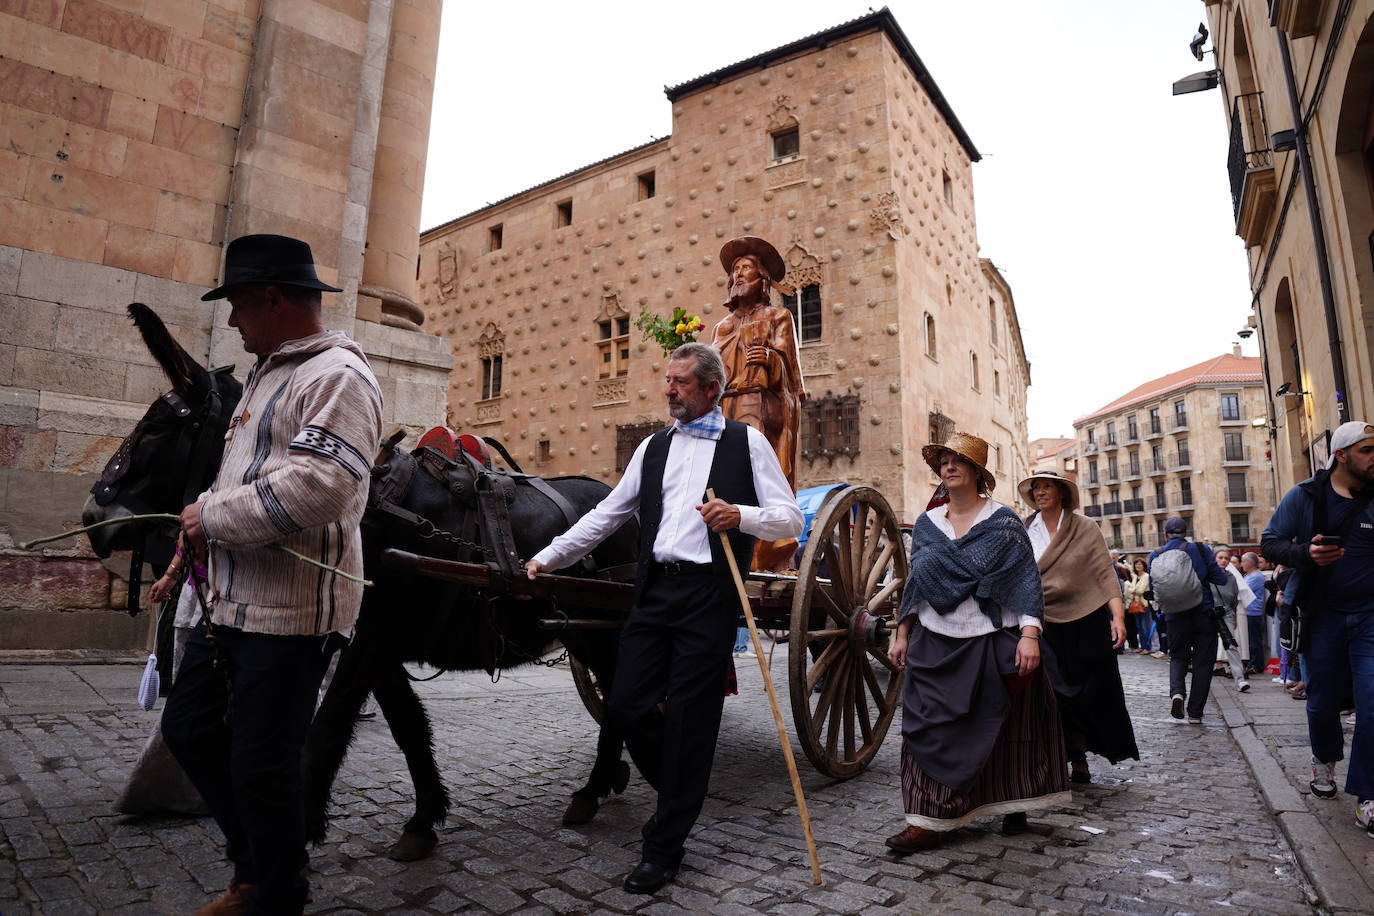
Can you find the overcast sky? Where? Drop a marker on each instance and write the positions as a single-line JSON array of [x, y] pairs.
[[1103, 198]]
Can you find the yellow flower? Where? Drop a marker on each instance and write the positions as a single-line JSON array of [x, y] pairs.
[[680, 329], [695, 324]]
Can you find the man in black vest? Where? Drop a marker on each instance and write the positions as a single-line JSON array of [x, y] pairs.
[[675, 647]]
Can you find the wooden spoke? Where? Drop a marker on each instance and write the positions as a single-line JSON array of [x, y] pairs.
[[871, 680], [840, 614], [828, 656], [818, 635], [877, 568], [861, 538], [881, 656], [884, 593], [861, 705], [834, 685]]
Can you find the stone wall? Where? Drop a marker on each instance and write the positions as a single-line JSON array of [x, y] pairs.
[[136, 138], [1332, 51]]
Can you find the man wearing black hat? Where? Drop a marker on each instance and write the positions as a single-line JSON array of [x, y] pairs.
[[294, 475]]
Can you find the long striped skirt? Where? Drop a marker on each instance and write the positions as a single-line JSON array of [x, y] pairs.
[[997, 752]]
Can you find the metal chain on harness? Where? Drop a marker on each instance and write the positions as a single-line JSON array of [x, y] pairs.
[[502, 643]]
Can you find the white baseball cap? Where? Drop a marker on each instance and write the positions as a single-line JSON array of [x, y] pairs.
[[1348, 434]]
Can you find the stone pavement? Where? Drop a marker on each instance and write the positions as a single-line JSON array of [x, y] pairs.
[[1185, 830]]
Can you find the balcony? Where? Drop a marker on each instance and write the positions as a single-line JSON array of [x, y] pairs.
[[1111, 508], [1230, 417], [1178, 422], [1132, 506], [1299, 18], [1156, 430], [1250, 162], [1132, 473], [1110, 443], [1241, 535], [1240, 496], [1157, 504], [1182, 463], [1235, 457], [1154, 468], [1178, 499], [1090, 447], [1092, 511]]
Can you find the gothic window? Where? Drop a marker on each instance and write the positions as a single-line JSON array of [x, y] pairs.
[[973, 371], [563, 214], [613, 347], [805, 306], [830, 426], [491, 348], [786, 143], [941, 427], [494, 238], [992, 321], [627, 439], [929, 322]]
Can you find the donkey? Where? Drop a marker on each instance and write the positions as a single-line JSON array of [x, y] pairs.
[[404, 617]]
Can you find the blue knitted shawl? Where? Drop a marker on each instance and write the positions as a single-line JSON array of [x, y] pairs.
[[993, 563]]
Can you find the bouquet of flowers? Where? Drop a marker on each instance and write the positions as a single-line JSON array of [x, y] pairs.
[[669, 333]]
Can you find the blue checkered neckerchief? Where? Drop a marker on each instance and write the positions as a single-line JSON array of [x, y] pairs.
[[707, 426]]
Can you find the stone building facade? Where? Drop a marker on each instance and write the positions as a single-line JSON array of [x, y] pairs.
[[841, 151], [1184, 444], [1311, 269], [1055, 454], [136, 138]]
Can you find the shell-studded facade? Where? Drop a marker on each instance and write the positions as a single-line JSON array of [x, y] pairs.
[[853, 166]]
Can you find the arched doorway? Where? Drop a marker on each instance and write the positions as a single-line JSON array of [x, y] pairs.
[[1290, 410], [1354, 150]]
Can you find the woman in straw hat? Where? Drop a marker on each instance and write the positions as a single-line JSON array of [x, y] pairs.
[[979, 726], [1085, 622]]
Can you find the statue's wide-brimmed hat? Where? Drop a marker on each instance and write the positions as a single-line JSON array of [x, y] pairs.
[[275, 259], [1066, 486], [769, 259], [967, 446]]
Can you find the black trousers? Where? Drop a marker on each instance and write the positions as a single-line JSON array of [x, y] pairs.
[[238, 729], [1192, 647], [674, 651]]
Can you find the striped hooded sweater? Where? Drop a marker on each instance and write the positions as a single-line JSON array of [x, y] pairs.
[[294, 474]]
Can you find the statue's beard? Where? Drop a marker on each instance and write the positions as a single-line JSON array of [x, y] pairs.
[[746, 292]]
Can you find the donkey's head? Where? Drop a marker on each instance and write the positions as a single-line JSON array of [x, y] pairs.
[[173, 452]]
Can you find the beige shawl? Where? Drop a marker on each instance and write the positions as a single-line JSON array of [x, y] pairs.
[[1076, 570]]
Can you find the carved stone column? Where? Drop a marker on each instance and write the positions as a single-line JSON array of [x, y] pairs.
[[388, 290]]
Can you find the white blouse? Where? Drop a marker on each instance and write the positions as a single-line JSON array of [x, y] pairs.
[[967, 620], [1039, 533]]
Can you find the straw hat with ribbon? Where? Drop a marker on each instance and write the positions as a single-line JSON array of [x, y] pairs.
[[1066, 486], [970, 447]]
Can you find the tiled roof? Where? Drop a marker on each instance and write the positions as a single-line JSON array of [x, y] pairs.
[[1052, 446], [556, 178], [882, 19], [1216, 371]]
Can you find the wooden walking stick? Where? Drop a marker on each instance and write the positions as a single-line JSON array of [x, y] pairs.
[[773, 704]]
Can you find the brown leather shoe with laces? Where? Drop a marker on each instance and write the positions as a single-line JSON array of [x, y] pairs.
[[913, 839], [234, 901]]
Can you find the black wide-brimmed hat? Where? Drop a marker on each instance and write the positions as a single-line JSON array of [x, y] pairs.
[[268, 259]]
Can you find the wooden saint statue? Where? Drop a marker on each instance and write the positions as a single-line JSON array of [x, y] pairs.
[[758, 342]]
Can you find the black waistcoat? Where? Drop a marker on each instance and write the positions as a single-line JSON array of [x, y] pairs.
[[732, 479]]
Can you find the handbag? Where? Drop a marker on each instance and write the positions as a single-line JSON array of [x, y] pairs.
[[1136, 607]]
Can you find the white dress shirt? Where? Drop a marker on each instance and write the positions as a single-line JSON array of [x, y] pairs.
[[1039, 533], [967, 620], [682, 534]]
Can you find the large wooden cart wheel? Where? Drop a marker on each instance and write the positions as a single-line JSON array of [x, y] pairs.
[[588, 688], [849, 584]]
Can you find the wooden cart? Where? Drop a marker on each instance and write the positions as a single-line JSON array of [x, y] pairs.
[[835, 613]]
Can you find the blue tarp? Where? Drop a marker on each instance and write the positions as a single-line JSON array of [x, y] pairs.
[[810, 500]]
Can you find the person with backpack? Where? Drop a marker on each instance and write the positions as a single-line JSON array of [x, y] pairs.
[[1324, 529], [1179, 572]]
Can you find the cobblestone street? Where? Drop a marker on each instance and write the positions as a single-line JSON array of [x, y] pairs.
[[1186, 829]]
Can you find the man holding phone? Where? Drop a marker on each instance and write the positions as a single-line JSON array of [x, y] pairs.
[[1324, 529]]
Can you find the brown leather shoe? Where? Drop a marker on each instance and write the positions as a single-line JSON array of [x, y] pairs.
[[233, 903], [914, 839]]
